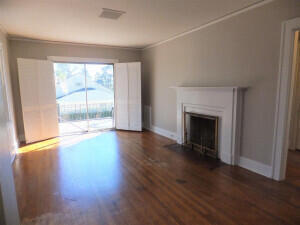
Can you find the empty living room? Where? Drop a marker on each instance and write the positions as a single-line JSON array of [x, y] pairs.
[[149, 112]]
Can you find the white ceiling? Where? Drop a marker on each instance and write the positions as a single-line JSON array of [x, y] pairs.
[[146, 21]]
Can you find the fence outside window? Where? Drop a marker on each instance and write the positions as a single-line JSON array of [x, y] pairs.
[[78, 111]]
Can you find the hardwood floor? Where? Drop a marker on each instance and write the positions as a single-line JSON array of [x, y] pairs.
[[129, 178], [293, 168]]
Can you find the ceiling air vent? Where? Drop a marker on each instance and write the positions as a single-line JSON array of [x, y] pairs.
[[111, 14]]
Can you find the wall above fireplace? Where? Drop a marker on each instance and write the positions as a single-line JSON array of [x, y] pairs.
[[226, 103]]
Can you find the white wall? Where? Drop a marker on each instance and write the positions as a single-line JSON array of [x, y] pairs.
[[40, 50], [240, 51], [7, 189], [11, 119]]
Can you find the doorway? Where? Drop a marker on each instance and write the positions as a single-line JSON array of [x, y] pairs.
[[293, 158], [285, 97], [84, 97]]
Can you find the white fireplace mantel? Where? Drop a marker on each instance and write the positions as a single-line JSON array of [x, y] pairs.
[[223, 102]]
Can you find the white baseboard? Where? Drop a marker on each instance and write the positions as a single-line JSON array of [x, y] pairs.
[[13, 158], [246, 163], [256, 167], [162, 132], [226, 158], [147, 124], [14, 150]]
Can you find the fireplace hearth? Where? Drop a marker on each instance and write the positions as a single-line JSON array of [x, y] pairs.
[[201, 133]]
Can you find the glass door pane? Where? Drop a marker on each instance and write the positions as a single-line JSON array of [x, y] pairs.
[[71, 97], [100, 96]]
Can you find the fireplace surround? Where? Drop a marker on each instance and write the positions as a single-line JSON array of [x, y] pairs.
[[223, 103]]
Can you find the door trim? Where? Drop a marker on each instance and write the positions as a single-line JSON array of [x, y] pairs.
[[283, 99]]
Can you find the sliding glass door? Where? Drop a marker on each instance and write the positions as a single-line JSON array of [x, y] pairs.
[[85, 96], [100, 95]]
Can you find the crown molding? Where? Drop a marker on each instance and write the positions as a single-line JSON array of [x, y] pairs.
[[17, 38], [220, 19], [212, 22]]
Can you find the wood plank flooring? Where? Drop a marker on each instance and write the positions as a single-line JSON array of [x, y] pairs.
[[130, 178]]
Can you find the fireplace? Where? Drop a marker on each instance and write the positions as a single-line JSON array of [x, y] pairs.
[[201, 133], [221, 104]]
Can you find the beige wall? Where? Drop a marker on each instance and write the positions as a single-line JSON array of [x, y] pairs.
[[40, 50], [240, 51]]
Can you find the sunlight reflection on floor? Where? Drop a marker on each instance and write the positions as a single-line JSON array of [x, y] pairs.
[[63, 141]]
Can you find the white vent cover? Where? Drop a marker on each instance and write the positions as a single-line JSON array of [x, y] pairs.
[[111, 14]]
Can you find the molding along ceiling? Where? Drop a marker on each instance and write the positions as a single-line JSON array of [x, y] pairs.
[[17, 38], [220, 19], [145, 23]]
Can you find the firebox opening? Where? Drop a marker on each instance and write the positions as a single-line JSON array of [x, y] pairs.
[[201, 133]]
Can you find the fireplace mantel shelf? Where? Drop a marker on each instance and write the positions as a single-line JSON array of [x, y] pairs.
[[220, 88]]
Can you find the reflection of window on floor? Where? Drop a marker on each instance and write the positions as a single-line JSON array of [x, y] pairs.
[[85, 96]]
